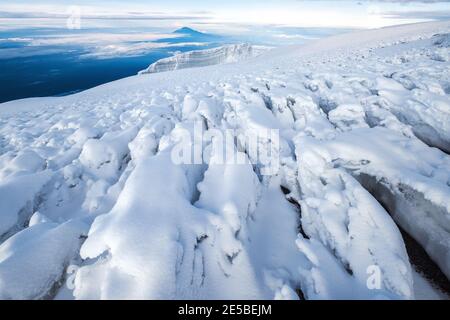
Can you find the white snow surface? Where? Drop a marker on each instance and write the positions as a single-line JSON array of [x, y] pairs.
[[208, 57], [92, 205]]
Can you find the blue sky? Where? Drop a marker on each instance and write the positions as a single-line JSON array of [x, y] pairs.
[[234, 14]]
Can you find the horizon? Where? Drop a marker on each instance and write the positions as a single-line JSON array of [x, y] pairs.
[[231, 17]]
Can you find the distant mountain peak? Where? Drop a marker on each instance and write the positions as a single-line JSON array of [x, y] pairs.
[[187, 30]]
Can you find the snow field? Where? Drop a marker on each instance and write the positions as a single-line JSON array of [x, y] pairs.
[[89, 180]]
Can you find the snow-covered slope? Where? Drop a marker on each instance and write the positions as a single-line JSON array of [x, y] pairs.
[[93, 205], [208, 57]]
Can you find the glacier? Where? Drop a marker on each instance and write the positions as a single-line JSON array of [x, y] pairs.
[[208, 57], [93, 206]]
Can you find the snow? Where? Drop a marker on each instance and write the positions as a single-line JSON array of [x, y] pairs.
[[337, 211], [104, 157], [208, 57], [419, 186], [425, 291], [33, 261], [17, 199], [90, 191], [138, 227]]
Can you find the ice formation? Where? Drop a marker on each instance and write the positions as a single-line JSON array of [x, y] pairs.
[[208, 57]]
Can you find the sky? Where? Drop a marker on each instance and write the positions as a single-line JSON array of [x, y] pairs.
[[232, 15], [105, 28]]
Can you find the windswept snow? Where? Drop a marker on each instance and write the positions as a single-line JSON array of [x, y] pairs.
[[208, 57], [93, 204]]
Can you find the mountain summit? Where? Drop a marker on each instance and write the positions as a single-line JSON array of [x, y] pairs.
[[189, 31]]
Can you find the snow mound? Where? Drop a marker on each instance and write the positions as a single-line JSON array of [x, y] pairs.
[[33, 262], [442, 40]]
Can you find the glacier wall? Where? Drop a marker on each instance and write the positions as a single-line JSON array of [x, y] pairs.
[[208, 57]]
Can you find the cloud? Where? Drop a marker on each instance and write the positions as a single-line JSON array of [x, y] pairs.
[[25, 52], [96, 10], [16, 39], [95, 45], [308, 13], [98, 38], [429, 15], [105, 16], [398, 1], [295, 36], [133, 49]]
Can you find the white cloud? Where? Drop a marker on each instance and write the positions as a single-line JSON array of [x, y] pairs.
[[98, 38], [25, 52], [16, 39], [132, 49], [98, 45], [294, 36]]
